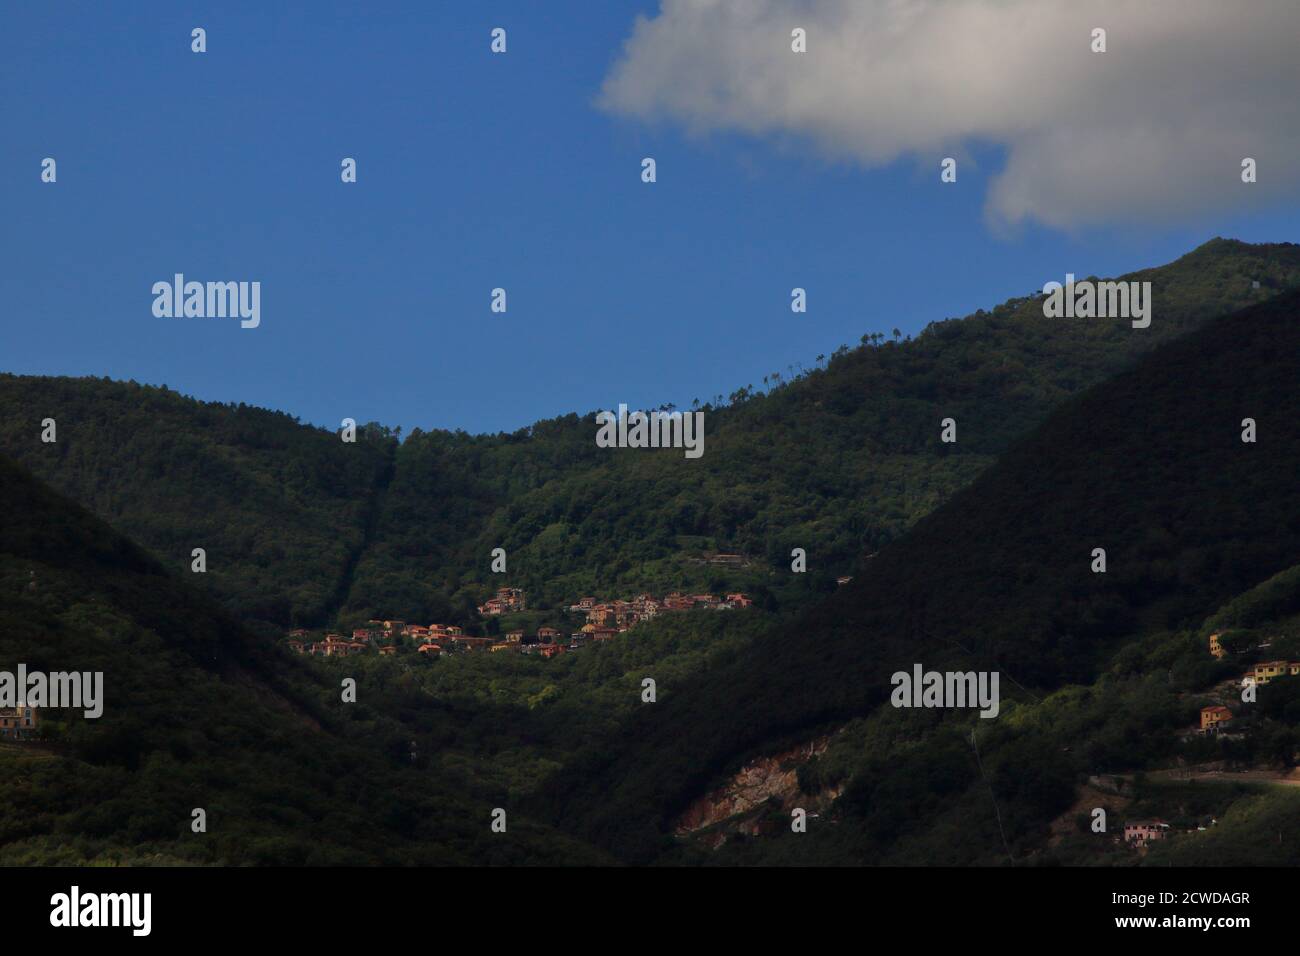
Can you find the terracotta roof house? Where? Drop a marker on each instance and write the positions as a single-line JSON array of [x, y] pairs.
[[1213, 717]]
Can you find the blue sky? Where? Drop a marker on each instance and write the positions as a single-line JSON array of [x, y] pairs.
[[475, 171]]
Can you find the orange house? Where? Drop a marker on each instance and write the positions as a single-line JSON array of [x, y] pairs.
[[1212, 718]]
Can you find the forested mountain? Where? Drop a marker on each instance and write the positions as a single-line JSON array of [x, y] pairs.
[[839, 459], [200, 713], [838, 462], [1151, 467], [280, 508], [977, 567]]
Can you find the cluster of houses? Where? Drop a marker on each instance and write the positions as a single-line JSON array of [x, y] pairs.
[[1259, 673], [1215, 719], [607, 619], [383, 635], [507, 601], [619, 615], [18, 723], [435, 640], [547, 642], [603, 621]]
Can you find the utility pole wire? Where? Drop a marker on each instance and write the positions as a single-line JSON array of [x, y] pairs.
[[962, 647], [992, 797], [1036, 699]]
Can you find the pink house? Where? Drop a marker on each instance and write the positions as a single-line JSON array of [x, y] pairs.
[[1142, 832]]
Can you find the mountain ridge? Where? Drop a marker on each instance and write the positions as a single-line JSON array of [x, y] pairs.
[[302, 529]]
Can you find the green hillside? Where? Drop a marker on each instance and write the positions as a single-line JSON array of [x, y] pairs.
[[281, 509], [978, 566], [200, 713], [838, 459], [1149, 466]]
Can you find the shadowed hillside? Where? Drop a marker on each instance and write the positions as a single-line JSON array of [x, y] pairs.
[[1149, 466], [199, 713]]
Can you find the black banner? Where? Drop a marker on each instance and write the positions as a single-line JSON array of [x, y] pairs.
[[335, 905]]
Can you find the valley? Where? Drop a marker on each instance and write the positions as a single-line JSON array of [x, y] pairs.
[[972, 557]]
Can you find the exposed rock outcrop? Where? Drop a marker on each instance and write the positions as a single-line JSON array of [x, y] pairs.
[[757, 799]]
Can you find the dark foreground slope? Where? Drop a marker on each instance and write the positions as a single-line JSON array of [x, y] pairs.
[[1149, 466], [199, 713]]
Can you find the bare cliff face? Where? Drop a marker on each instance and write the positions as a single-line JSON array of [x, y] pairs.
[[757, 800]]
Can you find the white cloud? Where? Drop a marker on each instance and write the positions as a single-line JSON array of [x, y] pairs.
[[1154, 129]]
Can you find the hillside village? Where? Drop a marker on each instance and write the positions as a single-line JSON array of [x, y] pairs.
[[1216, 720], [604, 620], [1222, 712]]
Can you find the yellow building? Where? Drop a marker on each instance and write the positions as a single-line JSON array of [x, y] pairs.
[[17, 723], [1215, 648], [1265, 672]]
